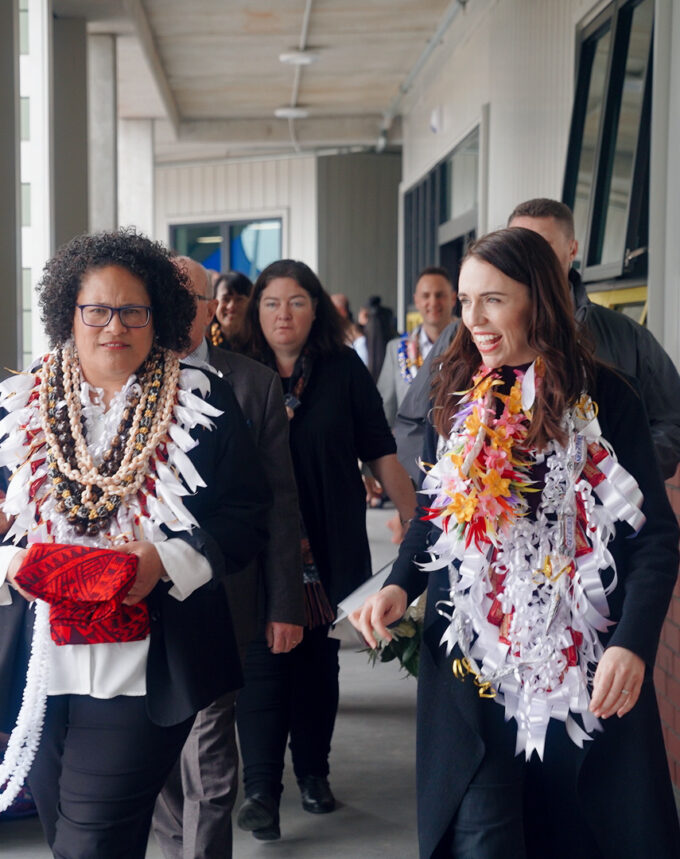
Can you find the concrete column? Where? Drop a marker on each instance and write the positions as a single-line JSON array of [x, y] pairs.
[[70, 129], [10, 346], [664, 201], [136, 175], [102, 132]]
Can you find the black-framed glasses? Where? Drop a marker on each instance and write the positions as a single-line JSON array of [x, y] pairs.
[[130, 315]]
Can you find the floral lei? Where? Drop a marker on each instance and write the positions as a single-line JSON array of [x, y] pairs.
[[408, 356], [489, 478], [527, 599]]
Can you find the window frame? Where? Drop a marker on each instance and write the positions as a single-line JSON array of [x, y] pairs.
[[425, 229], [618, 17]]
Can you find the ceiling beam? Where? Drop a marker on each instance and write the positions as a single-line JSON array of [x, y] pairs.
[[143, 32], [274, 133]]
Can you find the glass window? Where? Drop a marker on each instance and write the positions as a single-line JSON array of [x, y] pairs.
[[245, 246], [607, 172], [253, 246], [440, 214], [25, 105], [202, 242], [25, 204], [595, 55], [609, 242], [462, 174], [26, 331], [25, 118], [26, 288], [23, 26]]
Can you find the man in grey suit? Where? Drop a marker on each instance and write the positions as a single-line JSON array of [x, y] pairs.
[[193, 813], [434, 299]]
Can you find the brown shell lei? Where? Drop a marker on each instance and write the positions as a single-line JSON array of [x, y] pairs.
[[87, 494]]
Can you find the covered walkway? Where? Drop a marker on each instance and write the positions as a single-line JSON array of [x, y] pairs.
[[372, 770]]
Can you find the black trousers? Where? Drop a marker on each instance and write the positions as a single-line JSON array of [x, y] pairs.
[[288, 694], [99, 768], [511, 809]]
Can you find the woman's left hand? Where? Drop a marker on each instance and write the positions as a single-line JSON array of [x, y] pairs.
[[617, 683], [282, 637], [150, 570]]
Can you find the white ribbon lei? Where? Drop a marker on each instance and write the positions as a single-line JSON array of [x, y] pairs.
[[552, 598], [173, 479]]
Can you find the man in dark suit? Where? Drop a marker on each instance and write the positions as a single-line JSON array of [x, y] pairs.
[[193, 813]]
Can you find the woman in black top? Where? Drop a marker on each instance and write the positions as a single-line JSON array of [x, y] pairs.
[[538, 732], [336, 419]]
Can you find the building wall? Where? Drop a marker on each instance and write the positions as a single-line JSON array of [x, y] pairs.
[[518, 57], [667, 669], [232, 190], [357, 225]]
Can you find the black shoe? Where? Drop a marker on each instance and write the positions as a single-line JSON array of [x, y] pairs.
[[316, 794], [259, 814]]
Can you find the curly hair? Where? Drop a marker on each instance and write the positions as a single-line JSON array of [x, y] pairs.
[[566, 350], [172, 304], [326, 335]]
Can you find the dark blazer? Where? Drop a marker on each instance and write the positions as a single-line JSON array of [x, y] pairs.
[[269, 588], [183, 674], [622, 776]]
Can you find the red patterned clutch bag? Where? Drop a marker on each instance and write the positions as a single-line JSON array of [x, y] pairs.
[[85, 588]]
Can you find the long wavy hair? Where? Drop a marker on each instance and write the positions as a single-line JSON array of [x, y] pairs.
[[565, 349], [326, 335]]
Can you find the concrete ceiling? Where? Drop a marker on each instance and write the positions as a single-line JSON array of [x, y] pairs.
[[209, 70]]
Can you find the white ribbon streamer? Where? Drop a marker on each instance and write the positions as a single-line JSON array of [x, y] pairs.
[[553, 599]]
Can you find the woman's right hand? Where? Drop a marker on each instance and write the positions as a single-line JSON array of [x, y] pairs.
[[13, 569], [379, 610]]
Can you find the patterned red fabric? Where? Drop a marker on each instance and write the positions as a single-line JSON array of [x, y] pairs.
[[85, 588]]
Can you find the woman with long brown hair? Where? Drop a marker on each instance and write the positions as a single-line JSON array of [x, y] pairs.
[[536, 699]]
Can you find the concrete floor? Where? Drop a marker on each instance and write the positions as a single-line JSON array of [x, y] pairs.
[[372, 770]]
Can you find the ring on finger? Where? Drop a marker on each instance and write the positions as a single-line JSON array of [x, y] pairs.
[[625, 691]]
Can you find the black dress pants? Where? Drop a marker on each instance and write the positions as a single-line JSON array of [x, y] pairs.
[[489, 823], [287, 694], [518, 810], [100, 765]]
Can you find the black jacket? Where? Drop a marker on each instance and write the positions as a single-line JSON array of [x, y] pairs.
[[193, 656], [620, 808]]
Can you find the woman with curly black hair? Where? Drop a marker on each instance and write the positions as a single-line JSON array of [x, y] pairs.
[[119, 541]]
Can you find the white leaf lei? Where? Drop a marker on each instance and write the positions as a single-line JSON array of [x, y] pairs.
[[526, 613]]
